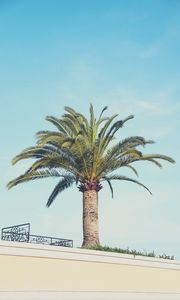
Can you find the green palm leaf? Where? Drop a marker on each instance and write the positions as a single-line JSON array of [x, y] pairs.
[[63, 184], [38, 174], [118, 177]]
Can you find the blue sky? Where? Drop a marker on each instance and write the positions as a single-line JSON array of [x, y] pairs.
[[124, 54]]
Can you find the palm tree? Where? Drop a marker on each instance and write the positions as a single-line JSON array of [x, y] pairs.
[[81, 152]]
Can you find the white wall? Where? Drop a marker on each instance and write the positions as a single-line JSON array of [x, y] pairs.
[[30, 271]]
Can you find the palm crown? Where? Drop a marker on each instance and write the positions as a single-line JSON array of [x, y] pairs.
[[81, 152]]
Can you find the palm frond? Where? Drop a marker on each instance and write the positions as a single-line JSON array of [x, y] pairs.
[[63, 184], [110, 186], [117, 125], [118, 177], [45, 138], [50, 150], [153, 161], [70, 110], [111, 133], [132, 168], [127, 144], [103, 110], [106, 126], [28, 176], [56, 122], [159, 156]]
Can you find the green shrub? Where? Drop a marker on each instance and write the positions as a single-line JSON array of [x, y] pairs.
[[127, 251]]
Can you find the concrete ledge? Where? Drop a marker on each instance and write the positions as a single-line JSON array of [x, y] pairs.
[[54, 252], [33, 272]]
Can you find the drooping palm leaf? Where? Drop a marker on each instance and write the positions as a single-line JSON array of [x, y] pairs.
[[63, 184], [118, 177], [38, 174]]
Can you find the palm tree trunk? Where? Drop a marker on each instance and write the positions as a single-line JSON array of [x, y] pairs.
[[90, 219]]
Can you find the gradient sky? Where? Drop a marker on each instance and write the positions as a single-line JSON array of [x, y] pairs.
[[123, 54]]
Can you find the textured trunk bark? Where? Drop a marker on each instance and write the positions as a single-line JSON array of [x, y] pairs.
[[90, 219]]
